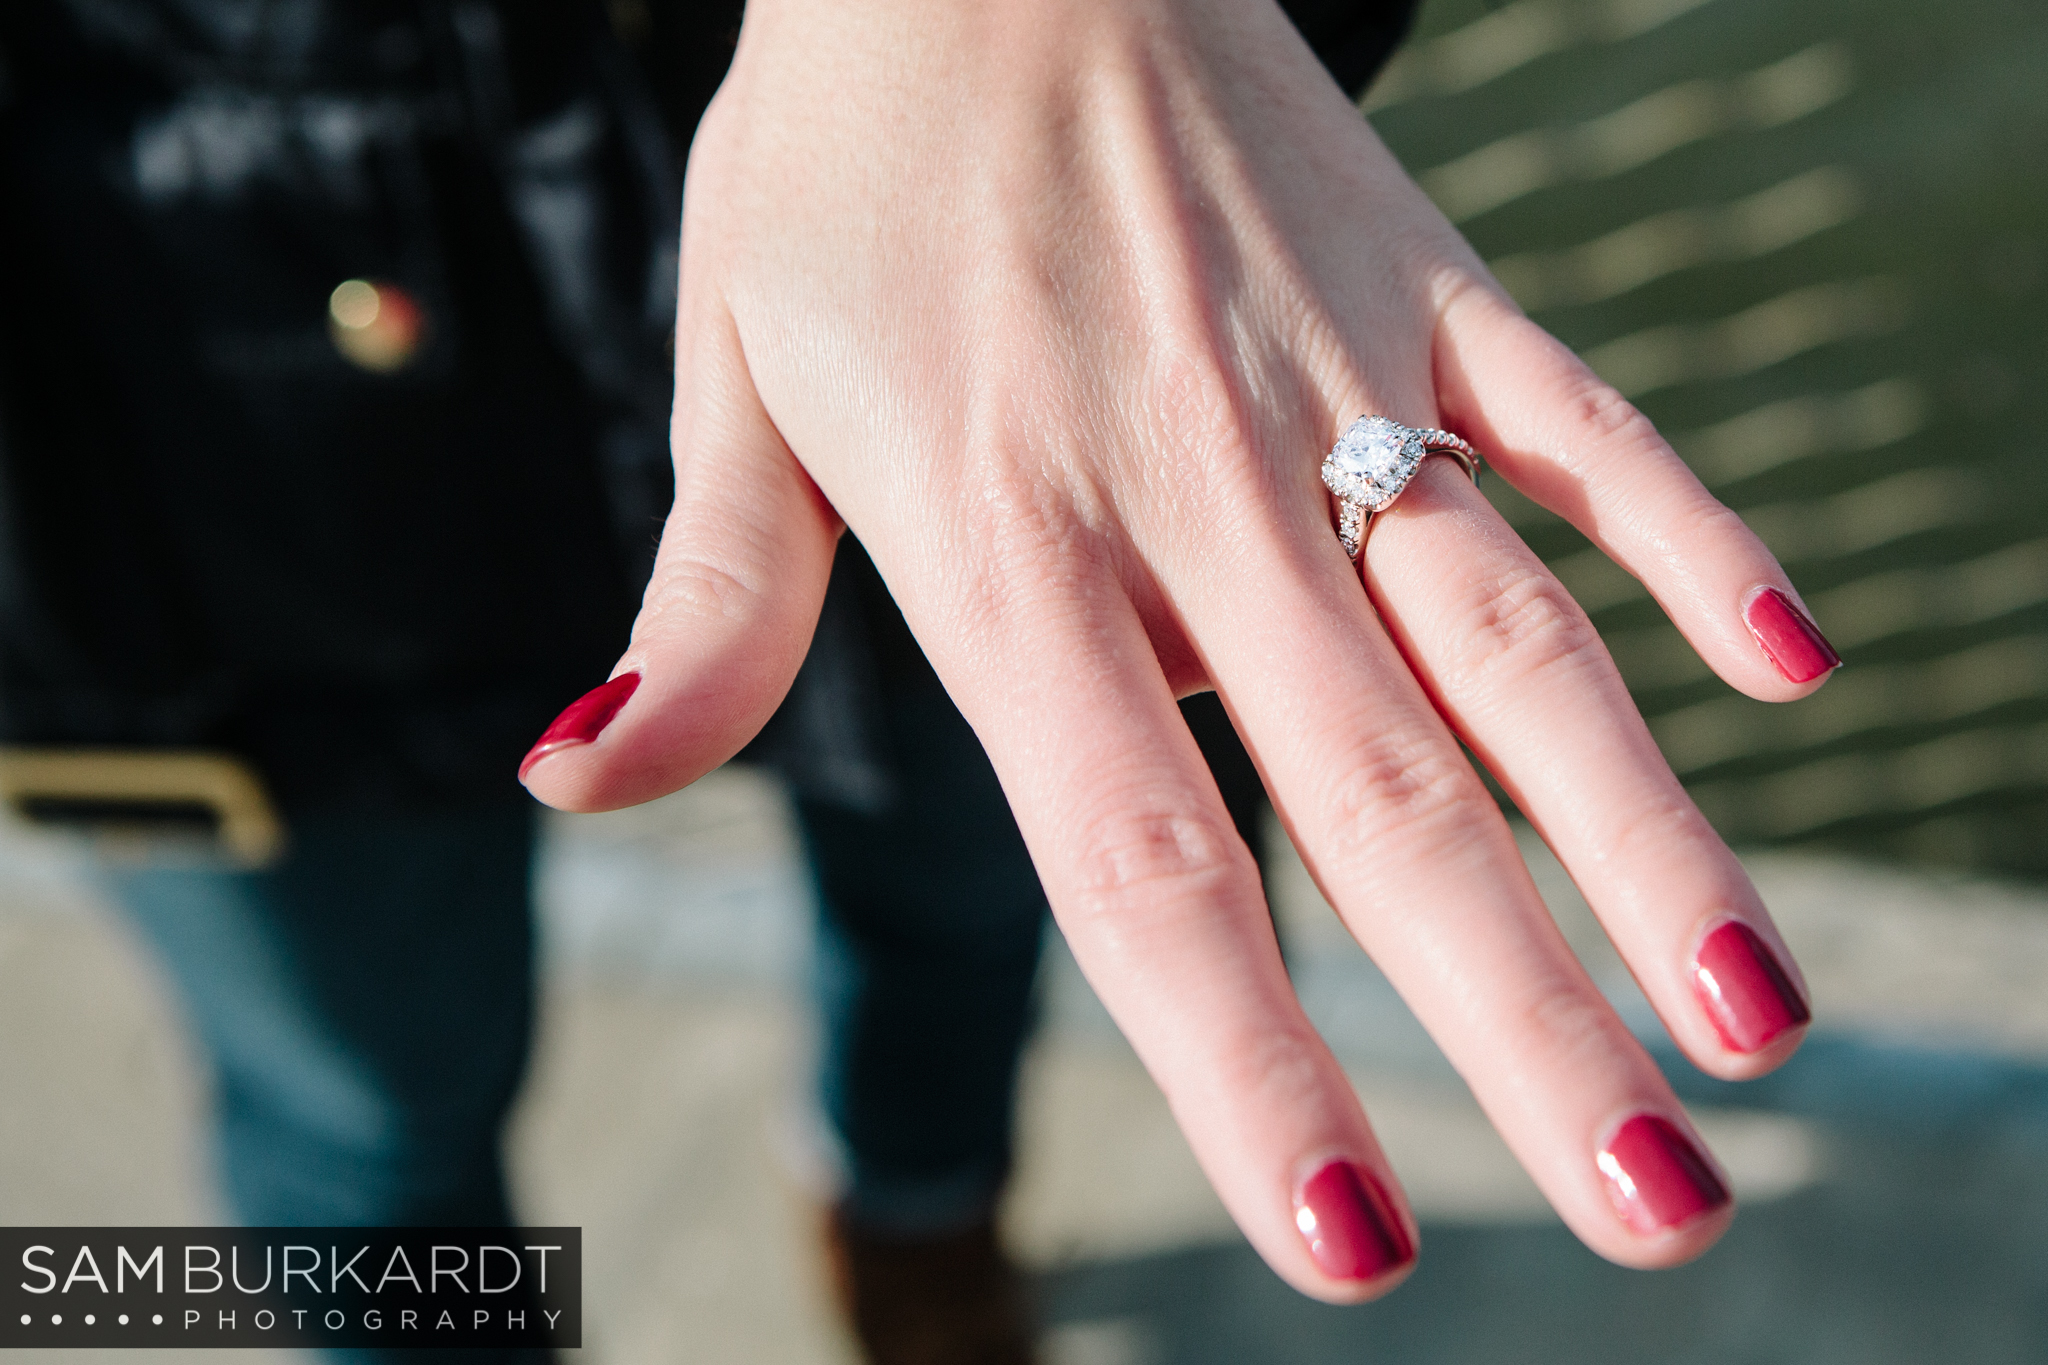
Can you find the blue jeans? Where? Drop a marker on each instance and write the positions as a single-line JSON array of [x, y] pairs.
[[367, 1007], [930, 924], [931, 919], [367, 1003]]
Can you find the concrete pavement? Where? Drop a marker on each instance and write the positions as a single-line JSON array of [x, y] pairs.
[[1895, 1189]]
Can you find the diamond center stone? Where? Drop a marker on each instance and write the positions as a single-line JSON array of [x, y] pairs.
[[1372, 461], [1375, 457]]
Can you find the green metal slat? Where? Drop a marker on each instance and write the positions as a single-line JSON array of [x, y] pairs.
[[1810, 239]]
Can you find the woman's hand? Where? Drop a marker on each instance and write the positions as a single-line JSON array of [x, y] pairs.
[[1058, 305]]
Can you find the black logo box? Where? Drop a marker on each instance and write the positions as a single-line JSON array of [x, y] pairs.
[[291, 1287]]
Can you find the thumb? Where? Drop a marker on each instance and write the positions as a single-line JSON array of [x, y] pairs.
[[728, 614]]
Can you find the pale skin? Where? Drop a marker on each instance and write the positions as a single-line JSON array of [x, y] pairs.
[[1057, 304]]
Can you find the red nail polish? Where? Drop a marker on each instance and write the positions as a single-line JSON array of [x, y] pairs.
[[1745, 989], [583, 721], [1656, 1177], [1351, 1227], [1792, 643]]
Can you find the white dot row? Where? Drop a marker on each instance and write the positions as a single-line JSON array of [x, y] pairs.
[[57, 1319]]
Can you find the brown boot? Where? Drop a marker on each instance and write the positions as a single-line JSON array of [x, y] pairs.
[[949, 1299]]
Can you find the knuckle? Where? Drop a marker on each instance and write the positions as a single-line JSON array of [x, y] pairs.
[[1600, 409], [1705, 520], [1030, 564], [1648, 831], [1284, 1069], [1202, 436], [1148, 860], [1401, 795], [695, 587], [1027, 534], [1605, 425], [1572, 1029], [1523, 625], [1193, 400]]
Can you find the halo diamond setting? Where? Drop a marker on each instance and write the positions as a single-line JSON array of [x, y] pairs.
[[1373, 461]]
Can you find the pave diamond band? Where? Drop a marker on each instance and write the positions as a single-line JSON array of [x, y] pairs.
[[1374, 460]]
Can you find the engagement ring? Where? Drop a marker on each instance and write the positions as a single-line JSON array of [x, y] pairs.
[[1373, 461]]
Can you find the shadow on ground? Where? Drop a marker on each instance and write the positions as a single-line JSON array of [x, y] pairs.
[[1924, 1241]]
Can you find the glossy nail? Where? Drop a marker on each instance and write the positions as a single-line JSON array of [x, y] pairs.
[[583, 721], [1745, 988], [1656, 1177], [1350, 1225], [1791, 641]]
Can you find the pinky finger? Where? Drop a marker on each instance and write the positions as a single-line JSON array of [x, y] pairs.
[[1571, 442]]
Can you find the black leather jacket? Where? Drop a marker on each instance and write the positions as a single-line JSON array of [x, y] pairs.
[[215, 530]]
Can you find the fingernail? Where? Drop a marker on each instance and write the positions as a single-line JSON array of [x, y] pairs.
[[1350, 1225], [1745, 989], [1791, 641], [1656, 1177], [583, 721]]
